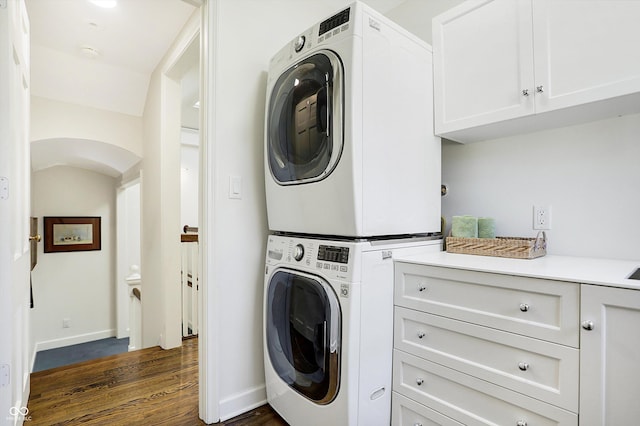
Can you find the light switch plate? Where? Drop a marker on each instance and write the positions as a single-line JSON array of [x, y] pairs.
[[235, 187]]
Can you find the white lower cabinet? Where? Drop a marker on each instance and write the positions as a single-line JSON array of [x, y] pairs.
[[481, 348], [469, 400], [609, 356]]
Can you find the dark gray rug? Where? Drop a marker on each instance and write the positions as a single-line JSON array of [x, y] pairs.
[[58, 357]]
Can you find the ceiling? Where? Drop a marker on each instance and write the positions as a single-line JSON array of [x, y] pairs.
[[102, 58]]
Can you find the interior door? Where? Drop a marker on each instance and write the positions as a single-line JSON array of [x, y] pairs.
[[14, 211]]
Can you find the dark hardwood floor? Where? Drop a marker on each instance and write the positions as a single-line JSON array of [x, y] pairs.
[[147, 387]]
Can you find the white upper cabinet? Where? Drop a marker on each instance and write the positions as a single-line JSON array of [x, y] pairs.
[[585, 50], [483, 60], [503, 67]]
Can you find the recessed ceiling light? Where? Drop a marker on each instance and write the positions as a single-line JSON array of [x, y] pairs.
[[107, 4]]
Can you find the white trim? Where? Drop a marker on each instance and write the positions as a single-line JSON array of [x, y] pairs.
[[242, 402], [74, 340], [208, 367]]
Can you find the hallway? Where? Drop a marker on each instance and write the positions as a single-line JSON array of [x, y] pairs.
[[146, 387]]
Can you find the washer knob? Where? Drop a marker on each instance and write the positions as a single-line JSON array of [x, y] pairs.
[[298, 252], [299, 44]]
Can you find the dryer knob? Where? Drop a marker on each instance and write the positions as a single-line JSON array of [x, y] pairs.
[[299, 44], [298, 252]]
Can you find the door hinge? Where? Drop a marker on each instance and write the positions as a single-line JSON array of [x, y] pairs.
[[4, 371], [4, 186]]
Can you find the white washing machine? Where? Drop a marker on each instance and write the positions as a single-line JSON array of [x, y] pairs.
[[328, 328], [349, 140]]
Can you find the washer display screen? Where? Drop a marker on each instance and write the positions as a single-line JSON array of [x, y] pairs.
[[333, 254]]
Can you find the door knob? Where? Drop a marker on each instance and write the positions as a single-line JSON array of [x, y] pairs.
[[37, 238]]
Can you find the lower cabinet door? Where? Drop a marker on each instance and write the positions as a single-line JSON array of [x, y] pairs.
[[407, 412], [469, 400], [609, 356]]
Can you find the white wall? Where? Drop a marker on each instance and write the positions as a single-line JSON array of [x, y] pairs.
[[588, 173], [416, 15], [189, 175], [160, 195], [79, 286], [53, 119]]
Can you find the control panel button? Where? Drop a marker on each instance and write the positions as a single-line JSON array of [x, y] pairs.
[[298, 252], [299, 44]]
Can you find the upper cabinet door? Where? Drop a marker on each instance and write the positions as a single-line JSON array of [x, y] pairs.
[[585, 51], [483, 63]]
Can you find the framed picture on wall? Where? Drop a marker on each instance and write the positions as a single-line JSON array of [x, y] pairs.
[[71, 233]]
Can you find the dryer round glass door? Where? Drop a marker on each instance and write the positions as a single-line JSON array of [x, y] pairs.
[[304, 122], [303, 328]]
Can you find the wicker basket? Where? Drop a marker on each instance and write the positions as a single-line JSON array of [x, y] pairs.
[[514, 247]]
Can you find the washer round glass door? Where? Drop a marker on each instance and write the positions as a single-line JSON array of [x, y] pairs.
[[303, 328], [304, 124]]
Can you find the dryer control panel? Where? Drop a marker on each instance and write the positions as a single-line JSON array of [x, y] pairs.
[[334, 22]]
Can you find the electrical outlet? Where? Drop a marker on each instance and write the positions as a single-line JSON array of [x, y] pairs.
[[66, 323], [541, 217]]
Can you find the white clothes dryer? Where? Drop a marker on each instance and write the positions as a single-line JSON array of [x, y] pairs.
[[349, 139], [328, 328]]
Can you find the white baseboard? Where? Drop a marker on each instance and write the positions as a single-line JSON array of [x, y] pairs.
[[74, 340], [242, 402]]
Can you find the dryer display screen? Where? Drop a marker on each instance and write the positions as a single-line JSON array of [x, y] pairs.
[[334, 22], [333, 254]]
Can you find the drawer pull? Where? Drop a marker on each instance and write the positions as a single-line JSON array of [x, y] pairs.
[[587, 325], [422, 287], [419, 381], [523, 366], [524, 307], [521, 423], [421, 334]]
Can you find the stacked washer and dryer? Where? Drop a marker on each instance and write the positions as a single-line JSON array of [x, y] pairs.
[[352, 177]]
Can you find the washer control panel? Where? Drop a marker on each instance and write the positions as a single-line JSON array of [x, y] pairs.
[[332, 259], [333, 254]]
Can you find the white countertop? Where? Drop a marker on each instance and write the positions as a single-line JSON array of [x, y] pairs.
[[609, 272]]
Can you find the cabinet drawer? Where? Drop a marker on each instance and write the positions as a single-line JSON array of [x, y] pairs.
[[543, 370], [406, 412], [470, 400], [543, 309]]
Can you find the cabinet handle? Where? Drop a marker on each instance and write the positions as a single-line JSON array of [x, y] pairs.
[[421, 334], [587, 325], [421, 287], [524, 307], [525, 92], [521, 423], [419, 381], [417, 424], [523, 366], [539, 89]]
